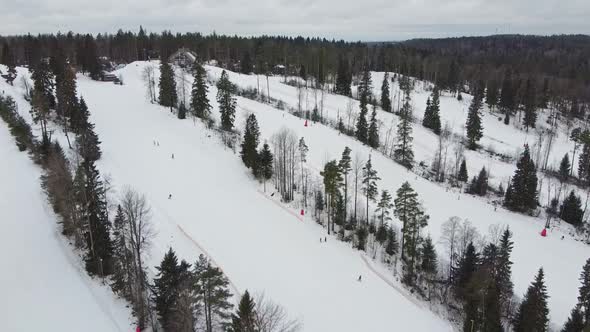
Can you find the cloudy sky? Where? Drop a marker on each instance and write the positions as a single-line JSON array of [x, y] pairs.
[[367, 20]]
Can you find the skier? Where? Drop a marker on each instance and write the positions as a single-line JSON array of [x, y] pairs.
[[320, 240], [170, 196], [359, 278], [325, 239], [173, 156]]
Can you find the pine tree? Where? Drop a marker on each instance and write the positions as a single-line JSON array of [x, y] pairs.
[[122, 273], [345, 167], [575, 323], [464, 270], [211, 287], [97, 226], [167, 286], [403, 152], [530, 105], [392, 245], [246, 66], [370, 179], [564, 168], [584, 159], [249, 152], [384, 206], [409, 211], [507, 97], [43, 99], [373, 139], [432, 113], [479, 185], [473, 126], [244, 320], [584, 292], [385, 97], [428, 265], [332, 181], [265, 162], [200, 106], [362, 128], [9, 60], [167, 86], [571, 210], [343, 78], [227, 102], [181, 114], [504, 267], [463, 176], [521, 194], [492, 94], [533, 313], [67, 101]]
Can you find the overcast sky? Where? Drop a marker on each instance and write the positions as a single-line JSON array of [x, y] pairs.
[[367, 20]]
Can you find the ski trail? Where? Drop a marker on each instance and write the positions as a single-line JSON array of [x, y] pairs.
[[390, 283], [293, 213], [202, 249]]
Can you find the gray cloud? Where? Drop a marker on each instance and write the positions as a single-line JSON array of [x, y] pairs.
[[350, 20]]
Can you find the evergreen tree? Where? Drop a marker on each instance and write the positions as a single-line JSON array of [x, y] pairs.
[[464, 271], [584, 292], [463, 176], [428, 265], [479, 185], [181, 114], [200, 106], [432, 114], [521, 194], [507, 97], [530, 105], [473, 125], [384, 206], [564, 168], [409, 211], [167, 86], [571, 210], [362, 127], [44, 83], [9, 60], [67, 101], [343, 78], [211, 287], [385, 97], [504, 270], [244, 320], [249, 152], [575, 323], [332, 183], [227, 102], [392, 245], [454, 81], [369, 181], [265, 161], [584, 159], [492, 94], [345, 167], [97, 226], [533, 313], [167, 285], [122, 274], [403, 152], [246, 66], [373, 139]]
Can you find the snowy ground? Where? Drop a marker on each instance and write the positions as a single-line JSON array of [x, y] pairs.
[[43, 283], [217, 207]]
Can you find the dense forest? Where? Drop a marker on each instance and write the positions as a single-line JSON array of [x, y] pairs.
[[558, 65]]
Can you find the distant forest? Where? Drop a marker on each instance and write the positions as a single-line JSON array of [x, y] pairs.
[[558, 65]]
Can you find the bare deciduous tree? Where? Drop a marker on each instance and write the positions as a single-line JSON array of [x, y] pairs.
[[272, 317], [150, 82]]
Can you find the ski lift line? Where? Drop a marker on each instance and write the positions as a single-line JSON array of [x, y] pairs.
[[280, 205], [190, 238], [391, 284]]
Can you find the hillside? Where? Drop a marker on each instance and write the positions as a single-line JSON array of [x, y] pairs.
[[43, 283]]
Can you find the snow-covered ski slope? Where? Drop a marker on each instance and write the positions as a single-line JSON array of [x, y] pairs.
[[217, 208], [43, 284], [561, 259]]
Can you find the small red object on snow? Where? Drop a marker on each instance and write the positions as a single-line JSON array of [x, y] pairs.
[[544, 232], [302, 213], [305, 125]]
